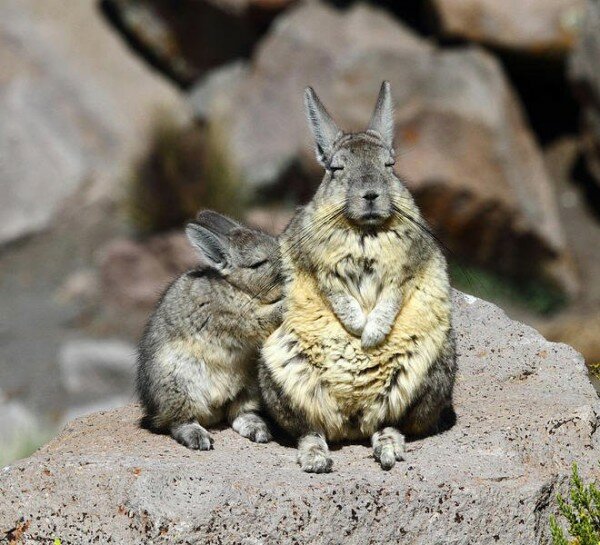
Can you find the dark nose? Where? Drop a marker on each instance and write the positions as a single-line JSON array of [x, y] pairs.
[[370, 196]]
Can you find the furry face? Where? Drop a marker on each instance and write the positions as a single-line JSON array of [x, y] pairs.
[[361, 174], [247, 259], [254, 265], [359, 166]]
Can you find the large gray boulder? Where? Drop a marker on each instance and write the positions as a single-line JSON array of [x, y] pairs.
[[533, 27], [188, 37], [584, 72], [526, 411], [75, 107], [464, 146]]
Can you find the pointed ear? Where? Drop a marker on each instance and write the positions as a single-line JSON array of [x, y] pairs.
[[216, 222], [323, 127], [382, 121], [211, 247]]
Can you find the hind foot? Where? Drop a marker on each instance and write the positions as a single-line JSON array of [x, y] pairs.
[[252, 426], [313, 454], [388, 447], [192, 435]]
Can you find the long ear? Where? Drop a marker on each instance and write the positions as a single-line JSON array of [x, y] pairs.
[[323, 127], [216, 222], [212, 247], [382, 121]]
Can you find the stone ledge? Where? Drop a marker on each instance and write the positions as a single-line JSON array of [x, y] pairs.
[[526, 411]]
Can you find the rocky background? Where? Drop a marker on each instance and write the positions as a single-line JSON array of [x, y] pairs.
[[120, 118]]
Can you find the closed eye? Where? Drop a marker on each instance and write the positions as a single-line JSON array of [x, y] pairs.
[[390, 163], [257, 264]]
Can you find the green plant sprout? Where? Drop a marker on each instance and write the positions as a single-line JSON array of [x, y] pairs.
[[582, 513]]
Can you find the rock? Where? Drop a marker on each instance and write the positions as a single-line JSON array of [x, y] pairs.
[[94, 371], [81, 285], [526, 411], [192, 36], [533, 27], [585, 77], [19, 430], [73, 106], [578, 329], [578, 324], [134, 274], [207, 89], [272, 220], [464, 147], [104, 404]]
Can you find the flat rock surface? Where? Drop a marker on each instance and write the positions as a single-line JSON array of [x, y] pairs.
[[526, 411]]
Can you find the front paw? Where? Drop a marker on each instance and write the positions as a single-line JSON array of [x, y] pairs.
[[388, 447], [355, 324], [193, 436], [253, 427], [313, 454], [372, 336], [315, 462]]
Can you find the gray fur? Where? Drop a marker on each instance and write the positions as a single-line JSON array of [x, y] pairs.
[[380, 322], [324, 129], [192, 435], [197, 357], [363, 200], [313, 454], [348, 311], [382, 121], [432, 410], [388, 447]]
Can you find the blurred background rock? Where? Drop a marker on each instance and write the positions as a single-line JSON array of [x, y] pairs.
[[119, 119]]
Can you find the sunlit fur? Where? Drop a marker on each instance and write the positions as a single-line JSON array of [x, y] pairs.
[[315, 375], [197, 358]]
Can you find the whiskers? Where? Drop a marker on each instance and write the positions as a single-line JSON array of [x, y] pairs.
[[308, 235], [408, 213], [321, 227]]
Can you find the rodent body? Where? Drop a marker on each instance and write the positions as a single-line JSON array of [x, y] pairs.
[[198, 372], [366, 346], [337, 386], [197, 358]]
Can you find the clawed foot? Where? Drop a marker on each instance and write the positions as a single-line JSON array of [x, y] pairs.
[[253, 427], [313, 454], [388, 447], [193, 436]]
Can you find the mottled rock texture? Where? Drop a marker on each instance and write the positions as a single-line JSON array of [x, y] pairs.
[[526, 411], [584, 71], [74, 107], [188, 37], [464, 146], [534, 27]]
